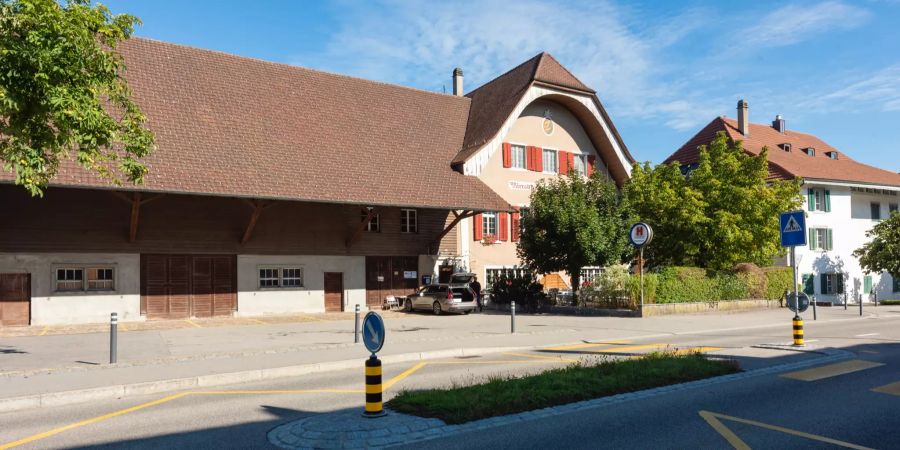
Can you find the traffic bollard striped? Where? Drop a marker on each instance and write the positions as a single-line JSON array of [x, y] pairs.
[[374, 407], [798, 331]]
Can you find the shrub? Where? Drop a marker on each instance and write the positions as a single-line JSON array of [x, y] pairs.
[[693, 284], [612, 283], [754, 278], [525, 291], [651, 282], [779, 280], [729, 286]]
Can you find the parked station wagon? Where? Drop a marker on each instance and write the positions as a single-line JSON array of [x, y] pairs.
[[455, 296]]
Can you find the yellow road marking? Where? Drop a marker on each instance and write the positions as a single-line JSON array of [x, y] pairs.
[[44, 331], [587, 345], [713, 420], [630, 348], [832, 370], [256, 320], [551, 358], [192, 323], [403, 375], [56, 431], [111, 415], [893, 389]]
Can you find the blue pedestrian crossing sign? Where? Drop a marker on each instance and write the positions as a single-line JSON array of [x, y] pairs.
[[373, 332], [793, 229]]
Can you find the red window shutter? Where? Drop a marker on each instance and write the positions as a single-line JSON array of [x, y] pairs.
[[514, 226], [538, 159], [563, 161], [529, 158], [507, 155], [503, 226], [590, 164], [570, 165], [477, 227]]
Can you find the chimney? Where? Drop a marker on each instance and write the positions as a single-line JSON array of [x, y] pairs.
[[457, 82], [778, 124], [743, 117]]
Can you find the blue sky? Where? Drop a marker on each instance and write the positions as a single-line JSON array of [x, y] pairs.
[[662, 69]]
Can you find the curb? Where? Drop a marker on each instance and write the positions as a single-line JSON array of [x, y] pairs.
[[220, 379]]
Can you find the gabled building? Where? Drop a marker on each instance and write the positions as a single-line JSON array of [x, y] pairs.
[[279, 189], [843, 199]]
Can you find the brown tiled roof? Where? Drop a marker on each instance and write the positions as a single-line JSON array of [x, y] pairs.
[[493, 102], [234, 126], [784, 164]]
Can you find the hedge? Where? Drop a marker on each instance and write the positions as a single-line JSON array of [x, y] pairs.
[[780, 280], [693, 284]]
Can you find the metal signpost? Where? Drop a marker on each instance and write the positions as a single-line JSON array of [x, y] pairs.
[[373, 333], [792, 226], [641, 234]]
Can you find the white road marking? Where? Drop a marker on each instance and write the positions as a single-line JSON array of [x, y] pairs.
[[867, 334]]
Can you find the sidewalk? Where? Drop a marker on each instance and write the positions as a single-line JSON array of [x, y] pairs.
[[168, 359]]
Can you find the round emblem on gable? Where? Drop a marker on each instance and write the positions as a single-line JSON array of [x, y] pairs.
[[547, 123]]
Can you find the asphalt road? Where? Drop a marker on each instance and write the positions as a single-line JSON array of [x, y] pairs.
[[842, 407]]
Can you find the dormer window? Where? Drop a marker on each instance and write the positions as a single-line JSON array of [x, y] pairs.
[[786, 146], [832, 155], [809, 151]]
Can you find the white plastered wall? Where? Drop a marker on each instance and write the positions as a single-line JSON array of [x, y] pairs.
[[49, 307], [256, 301]]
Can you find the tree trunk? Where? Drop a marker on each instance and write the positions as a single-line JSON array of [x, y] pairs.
[[576, 284]]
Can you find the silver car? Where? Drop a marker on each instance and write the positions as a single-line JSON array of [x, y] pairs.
[[440, 298]]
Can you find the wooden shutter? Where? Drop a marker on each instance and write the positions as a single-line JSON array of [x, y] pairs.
[[808, 284], [507, 154], [563, 162], [827, 200], [538, 159], [828, 244], [529, 158], [570, 164], [840, 284], [478, 227], [867, 284], [811, 199], [812, 238], [515, 225], [590, 164], [503, 226], [823, 283]]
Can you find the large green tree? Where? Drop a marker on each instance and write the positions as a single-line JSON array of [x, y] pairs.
[[573, 222], [62, 93], [882, 252], [722, 211]]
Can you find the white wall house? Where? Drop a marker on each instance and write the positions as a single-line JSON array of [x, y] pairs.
[[838, 217], [842, 198]]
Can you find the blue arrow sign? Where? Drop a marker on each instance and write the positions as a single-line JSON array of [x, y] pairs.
[[793, 228], [373, 332]]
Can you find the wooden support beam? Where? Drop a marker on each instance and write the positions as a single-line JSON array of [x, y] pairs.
[[135, 216], [458, 217], [362, 226], [258, 207]]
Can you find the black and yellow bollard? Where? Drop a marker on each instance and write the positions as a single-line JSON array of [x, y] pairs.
[[798, 331], [374, 406]]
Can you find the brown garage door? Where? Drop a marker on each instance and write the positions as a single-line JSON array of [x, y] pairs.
[[385, 276], [15, 299], [334, 291], [182, 286]]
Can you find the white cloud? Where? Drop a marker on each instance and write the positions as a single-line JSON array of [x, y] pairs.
[[796, 23], [880, 90], [628, 54]]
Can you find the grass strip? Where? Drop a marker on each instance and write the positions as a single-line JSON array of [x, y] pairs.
[[889, 302], [502, 395]]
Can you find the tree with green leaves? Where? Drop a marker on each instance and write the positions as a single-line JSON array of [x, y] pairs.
[[574, 222], [62, 92], [723, 211], [882, 252]]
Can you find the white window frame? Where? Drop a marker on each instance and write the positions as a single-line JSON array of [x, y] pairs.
[[554, 160], [279, 276], [579, 157], [374, 225], [85, 283], [409, 219], [514, 160], [486, 219], [494, 271], [590, 272]]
